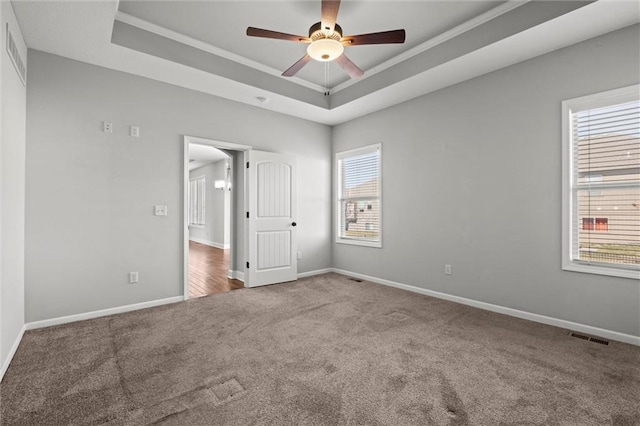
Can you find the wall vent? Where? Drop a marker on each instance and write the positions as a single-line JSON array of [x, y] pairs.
[[601, 341], [589, 338], [16, 59]]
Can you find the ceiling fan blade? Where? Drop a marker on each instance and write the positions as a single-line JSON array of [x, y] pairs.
[[351, 68], [329, 14], [293, 69], [259, 32], [394, 36]]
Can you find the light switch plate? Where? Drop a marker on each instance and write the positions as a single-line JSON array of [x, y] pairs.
[[161, 210]]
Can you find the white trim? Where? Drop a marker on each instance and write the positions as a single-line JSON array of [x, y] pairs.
[[543, 319], [500, 10], [101, 313], [209, 48], [185, 215], [210, 243], [570, 106], [236, 275], [185, 218], [316, 272], [338, 194], [216, 144], [12, 352], [483, 18]]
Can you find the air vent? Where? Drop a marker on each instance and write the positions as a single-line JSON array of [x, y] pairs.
[[601, 341], [14, 54], [579, 336], [589, 338], [355, 279]]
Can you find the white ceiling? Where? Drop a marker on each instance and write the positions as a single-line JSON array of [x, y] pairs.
[[447, 42], [223, 25], [201, 155]]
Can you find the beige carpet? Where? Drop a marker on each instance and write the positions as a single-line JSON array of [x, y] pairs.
[[323, 350]]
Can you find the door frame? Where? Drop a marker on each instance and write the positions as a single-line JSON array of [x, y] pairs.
[[185, 194]]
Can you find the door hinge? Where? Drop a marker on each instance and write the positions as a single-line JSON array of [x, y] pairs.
[[247, 215], [247, 265], [247, 164]]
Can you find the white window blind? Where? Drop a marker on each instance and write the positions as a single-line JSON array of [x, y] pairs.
[[359, 196], [604, 185], [197, 189]]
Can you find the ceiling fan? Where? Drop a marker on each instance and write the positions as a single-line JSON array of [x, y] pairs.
[[326, 42]]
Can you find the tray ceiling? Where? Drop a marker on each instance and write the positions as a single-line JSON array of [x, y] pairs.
[[201, 45]]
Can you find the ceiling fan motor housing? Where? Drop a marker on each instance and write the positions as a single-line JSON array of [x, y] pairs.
[[316, 32]]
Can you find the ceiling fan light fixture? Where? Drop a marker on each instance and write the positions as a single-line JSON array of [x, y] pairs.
[[325, 49], [327, 43]]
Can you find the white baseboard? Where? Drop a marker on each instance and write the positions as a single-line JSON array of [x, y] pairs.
[[210, 243], [608, 334], [316, 272], [240, 275], [101, 313], [236, 275], [12, 352]]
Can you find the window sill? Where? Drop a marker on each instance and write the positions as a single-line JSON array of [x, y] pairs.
[[196, 226], [374, 244], [602, 270]]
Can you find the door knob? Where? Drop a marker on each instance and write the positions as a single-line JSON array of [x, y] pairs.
[[294, 224]]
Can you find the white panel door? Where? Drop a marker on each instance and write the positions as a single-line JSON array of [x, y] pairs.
[[272, 244]]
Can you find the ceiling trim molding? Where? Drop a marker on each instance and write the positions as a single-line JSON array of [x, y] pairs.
[[483, 18], [506, 7], [209, 48]]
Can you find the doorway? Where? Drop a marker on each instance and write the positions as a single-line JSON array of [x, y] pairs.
[[262, 244], [210, 198]]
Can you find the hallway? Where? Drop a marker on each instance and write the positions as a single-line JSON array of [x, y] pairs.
[[208, 269]]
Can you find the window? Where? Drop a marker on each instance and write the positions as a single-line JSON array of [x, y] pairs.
[[196, 201], [359, 196], [601, 193]]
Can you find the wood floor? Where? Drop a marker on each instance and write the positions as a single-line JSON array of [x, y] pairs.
[[208, 268]]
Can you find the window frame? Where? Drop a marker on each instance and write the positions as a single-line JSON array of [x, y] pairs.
[[364, 242], [201, 184], [569, 190]]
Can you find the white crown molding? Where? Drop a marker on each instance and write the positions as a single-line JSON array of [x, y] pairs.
[[503, 8], [198, 44], [508, 6]]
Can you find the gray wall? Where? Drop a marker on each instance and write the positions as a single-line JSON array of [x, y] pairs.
[[472, 177], [90, 195], [12, 191], [216, 204]]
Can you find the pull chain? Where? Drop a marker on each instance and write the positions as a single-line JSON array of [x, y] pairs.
[[326, 78]]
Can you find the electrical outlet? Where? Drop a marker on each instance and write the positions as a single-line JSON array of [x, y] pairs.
[[160, 210], [135, 131], [447, 270], [133, 277], [107, 127]]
